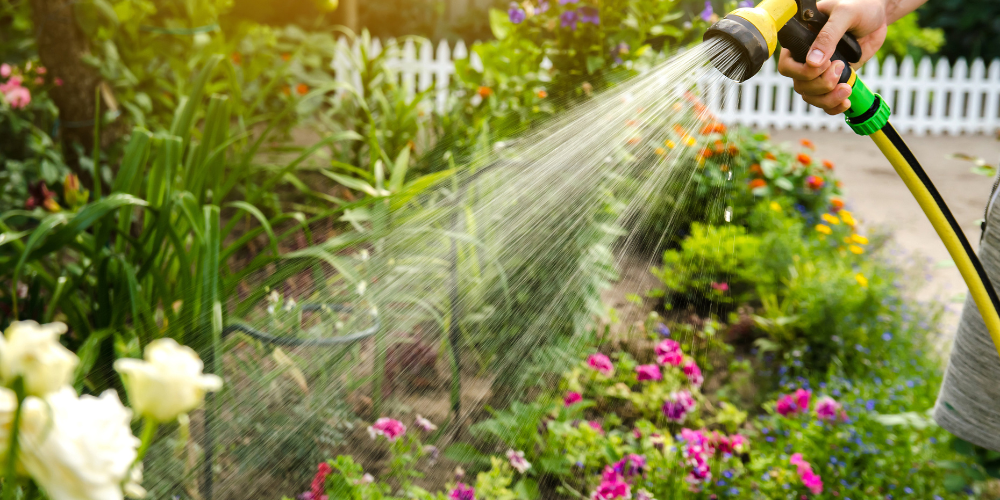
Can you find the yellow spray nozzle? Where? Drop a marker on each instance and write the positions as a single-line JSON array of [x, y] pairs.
[[752, 35]]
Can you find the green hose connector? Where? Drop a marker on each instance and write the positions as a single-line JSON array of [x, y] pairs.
[[868, 112]]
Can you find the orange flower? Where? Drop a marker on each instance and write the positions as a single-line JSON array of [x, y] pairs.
[[714, 128], [660, 151], [734, 150], [724, 167], [302, 89], [808, 144], [631, 123], [804, 159], [484, 92], [286, 57], [836, 203], [755, 168], [705, 153], [677, 106], [757, 183], [542, 94], [828, 164], [635, 140], [679, 130], [719, 147], [237, 58], [769, 156]]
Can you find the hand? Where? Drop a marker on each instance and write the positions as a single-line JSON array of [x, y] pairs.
[[816, 80]]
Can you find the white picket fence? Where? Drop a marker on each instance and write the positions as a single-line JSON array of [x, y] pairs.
[[925, 98]]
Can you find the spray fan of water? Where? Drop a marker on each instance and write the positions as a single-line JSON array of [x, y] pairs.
[[495, 275]]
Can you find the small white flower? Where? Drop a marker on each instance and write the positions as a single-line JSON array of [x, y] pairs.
[[517, 461], [476, 100], [425, 424], [362, 286], [168, 383], [33, 351], [366, 479]]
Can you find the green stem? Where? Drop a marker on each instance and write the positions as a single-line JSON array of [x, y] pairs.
[[148, 431], [10, 474], [97, 144]]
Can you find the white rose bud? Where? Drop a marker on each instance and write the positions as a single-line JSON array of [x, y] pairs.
[[168, 383], [33, 351], [77, 448]]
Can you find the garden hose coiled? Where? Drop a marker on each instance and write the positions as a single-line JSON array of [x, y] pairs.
[[749, 35]]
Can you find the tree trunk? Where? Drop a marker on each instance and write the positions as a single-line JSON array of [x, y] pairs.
[[61, 46]]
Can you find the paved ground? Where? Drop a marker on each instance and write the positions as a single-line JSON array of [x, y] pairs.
[[879, 198]]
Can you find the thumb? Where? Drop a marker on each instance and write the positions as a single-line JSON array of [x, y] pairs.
[[826, 40]]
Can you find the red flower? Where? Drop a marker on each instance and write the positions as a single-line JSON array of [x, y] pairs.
[[837, 204], [815, 182]]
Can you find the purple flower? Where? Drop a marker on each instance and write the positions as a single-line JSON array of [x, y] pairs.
[[564, 2], [568, 19], [589, 15], [600, 362], [425, 424], [517, 461], [745, 4], [462, 492], [543, 7], [678, 405], [648, 372], [662, 329], [516, 13], [708, 12]]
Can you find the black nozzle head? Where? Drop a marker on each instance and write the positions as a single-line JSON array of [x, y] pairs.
[[744, 48]]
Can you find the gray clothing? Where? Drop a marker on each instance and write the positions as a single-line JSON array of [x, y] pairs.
[[968, 405]]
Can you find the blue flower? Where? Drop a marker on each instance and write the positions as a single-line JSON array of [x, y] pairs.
[[734, 491], [516, 13], [706, 14], [728, 474], [908, 490], [765, 477], [870, 405], [910, 384], [886, 336], [769, 439], [660, 328]]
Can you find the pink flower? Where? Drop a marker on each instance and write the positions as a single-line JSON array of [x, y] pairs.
[[668, 352], [601, 363], [18, 97], [643, 495], [648, 372], [797, 460], [41, 70], [425, 425], [802, 399], [785, 406], [827, 408], [809, 478], [391, 429], [693, 373], [462, 492], [722, 287], [594, 424], [517, 461], [631, 465], [5, 70], [571, 398], [58, 81], [739, 443], [720, 443], [613, 486], [319, 481]]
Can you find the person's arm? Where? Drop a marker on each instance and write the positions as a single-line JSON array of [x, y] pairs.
[[816, 79]]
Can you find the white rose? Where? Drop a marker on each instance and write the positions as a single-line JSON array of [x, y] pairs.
[[33, 352], [168, 383], [77, 448]]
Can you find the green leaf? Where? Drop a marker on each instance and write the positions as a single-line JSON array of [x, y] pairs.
[[594, 63], [500, 23], [351, 182], [954, 483], [465, 453], [527, 489], [784, 183], [88, 353]]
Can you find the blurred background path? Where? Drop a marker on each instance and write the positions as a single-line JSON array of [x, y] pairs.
[[880, 199]]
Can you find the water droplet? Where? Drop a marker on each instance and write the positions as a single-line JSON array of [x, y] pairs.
[[729, 214]]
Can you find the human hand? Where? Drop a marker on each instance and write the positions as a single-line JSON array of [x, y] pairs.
[[816, 79]]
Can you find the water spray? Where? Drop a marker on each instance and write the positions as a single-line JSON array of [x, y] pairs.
[[749, 36]]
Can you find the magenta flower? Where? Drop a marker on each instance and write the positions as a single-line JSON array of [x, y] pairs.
[[5, 70], [517, 461], [601, 363], [516, 13], [786, 406], [827, 408], [648, 372], [706, 14], [720, 443], [693, 373], [721, 287], [594, 424], [678, 405], [572, 398], [462, 492], [391, 429], [613, 486], [809, 478], [589, 15], [696, 452], [568, 19], [425, 425], [629, 466], [668, 352], [739, 443], [802, 399]]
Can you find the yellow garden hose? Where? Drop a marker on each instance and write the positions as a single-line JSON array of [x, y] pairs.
[[913, 175]]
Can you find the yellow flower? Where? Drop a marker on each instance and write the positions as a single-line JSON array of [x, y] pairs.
[[847, 217], [830, 219], [660, 151], [689, 141], [823, 228], [861, 280], [857, 238], [670, 144], [775, 206], [856, 249]]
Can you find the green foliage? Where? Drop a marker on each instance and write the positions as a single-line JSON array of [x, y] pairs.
[[970, 27], [709, 257], [906, 38]]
